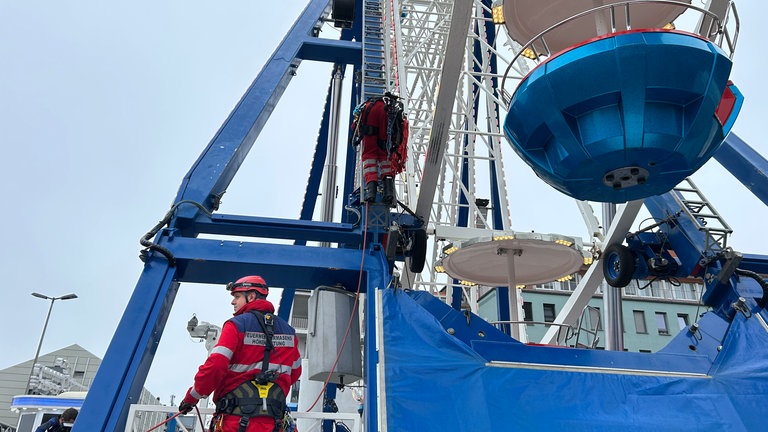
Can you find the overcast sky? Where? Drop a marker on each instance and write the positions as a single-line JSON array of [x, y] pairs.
[[103, 109]]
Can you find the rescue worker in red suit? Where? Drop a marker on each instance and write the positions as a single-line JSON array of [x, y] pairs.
[[376, 163], [238, 357]]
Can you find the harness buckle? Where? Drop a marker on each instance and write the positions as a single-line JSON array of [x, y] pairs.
[[264, 377], [226, 405]]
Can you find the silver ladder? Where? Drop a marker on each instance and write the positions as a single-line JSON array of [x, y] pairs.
[[703, 213]]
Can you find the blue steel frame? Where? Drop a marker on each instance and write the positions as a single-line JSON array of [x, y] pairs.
[[489, 29], [747, 166], [129, 356], [124, 369], [695, 253], [744, 163]]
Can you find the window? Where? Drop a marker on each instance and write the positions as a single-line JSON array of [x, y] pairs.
[[527, 311], [661, 323], [549, 312], [693, 292], [682, 320], [640, 322], [27, 421], [656, 289], [689, 291], [595, 317], [569, 285]]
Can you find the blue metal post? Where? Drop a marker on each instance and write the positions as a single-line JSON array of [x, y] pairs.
[[122, 373], [502, 305], [213, 171], [748, 166], [330, 395]]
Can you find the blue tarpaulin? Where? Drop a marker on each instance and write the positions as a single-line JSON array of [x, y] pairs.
[[435, 382]]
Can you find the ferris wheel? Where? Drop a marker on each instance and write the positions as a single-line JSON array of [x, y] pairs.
[[509, 68], [469, 86]]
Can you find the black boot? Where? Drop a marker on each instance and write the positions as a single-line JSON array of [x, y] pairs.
[[389, 197], [370, 191]]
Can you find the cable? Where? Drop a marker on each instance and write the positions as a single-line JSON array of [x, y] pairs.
[[148, 245], [164, 422], [199, 416], [409, 211], [651, 281], [748, 273]]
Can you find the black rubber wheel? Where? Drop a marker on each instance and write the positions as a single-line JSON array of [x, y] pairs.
[[618, 265], [418, 250]]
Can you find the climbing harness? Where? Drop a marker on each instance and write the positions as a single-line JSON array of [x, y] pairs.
[[396, 127], [261, 395]]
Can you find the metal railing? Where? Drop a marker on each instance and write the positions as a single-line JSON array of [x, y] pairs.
[[717, 31], [703, 214], [138, 411], [562, 338]]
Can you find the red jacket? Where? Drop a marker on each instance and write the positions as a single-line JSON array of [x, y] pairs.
[[239, 353]]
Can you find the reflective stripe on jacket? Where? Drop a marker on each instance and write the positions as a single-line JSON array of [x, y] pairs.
[[239, 353]]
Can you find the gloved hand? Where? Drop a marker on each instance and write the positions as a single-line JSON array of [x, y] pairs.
[[185, 407]]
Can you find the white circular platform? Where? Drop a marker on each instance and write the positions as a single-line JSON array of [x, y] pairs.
[[524, 19], [537, 259]]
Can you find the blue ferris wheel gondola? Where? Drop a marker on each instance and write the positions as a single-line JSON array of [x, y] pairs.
[[624, 116]]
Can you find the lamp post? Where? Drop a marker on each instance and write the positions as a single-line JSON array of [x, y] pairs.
[[45, 326]]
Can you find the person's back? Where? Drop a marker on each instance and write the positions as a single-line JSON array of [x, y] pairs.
[[251, 369], [62, 423]]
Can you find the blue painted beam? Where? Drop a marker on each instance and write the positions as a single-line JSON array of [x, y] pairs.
[[351, 157], [312, 191], [747, 165], [502, 306], [332, 51], [318, 160], [497, 210], [211, 174], [125, 366], [690, 244], [123, 371], [755, 263], [378, 279], [281, 265], [265, 227]]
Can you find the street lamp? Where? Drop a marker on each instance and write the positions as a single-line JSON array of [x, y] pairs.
[[45, 326]]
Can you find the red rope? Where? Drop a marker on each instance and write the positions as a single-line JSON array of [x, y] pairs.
[[163, 422], [352, 315], [199, 417]]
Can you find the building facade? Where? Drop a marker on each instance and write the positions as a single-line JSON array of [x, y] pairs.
[[64, 371], [652, 311]]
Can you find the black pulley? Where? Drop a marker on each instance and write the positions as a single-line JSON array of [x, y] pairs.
[[343, 13]]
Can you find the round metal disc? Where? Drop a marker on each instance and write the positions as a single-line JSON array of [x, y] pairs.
[[536, 261]]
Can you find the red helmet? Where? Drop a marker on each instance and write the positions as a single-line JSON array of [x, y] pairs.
[[249, 283]]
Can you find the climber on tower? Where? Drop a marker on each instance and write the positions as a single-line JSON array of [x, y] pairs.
[[382, 127]]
